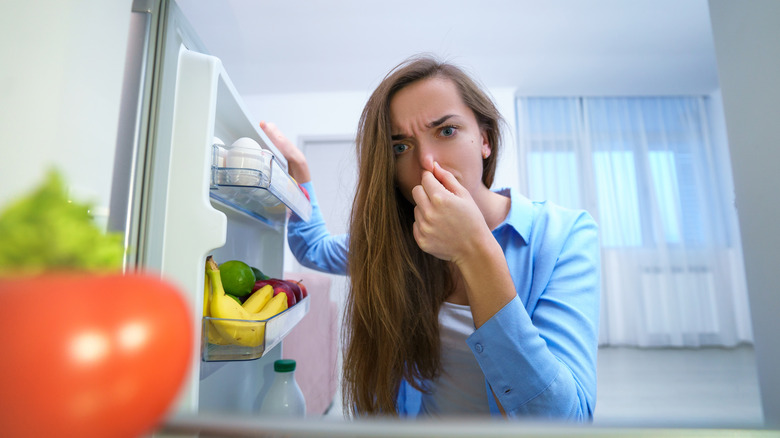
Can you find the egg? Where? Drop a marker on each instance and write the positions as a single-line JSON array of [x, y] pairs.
[[245, 158]]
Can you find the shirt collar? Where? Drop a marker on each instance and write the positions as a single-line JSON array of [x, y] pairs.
[[521, 211]]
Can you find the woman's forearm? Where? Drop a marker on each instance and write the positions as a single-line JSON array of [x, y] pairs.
[[489, 284]]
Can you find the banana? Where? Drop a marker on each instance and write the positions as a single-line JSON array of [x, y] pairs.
[[277, 304], [259, 299], [211, 333], [244, 328], [224, 307], [206, 294]]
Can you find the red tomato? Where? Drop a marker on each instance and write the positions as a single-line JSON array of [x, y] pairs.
[[90, 356]]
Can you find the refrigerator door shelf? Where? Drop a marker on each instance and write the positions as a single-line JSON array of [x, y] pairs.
[[269, 333], [261, 192]]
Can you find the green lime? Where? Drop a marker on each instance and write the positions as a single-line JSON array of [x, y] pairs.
[[259, 274], [237, 278], [238, 300]]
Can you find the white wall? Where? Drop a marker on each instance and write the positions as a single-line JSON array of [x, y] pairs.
[[305, 114], [60, 87], [746, 38]]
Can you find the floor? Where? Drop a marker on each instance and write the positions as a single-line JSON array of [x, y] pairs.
[[709, 387], [706, 387]]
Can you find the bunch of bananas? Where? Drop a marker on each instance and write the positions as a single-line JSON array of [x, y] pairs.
[[238, 324]]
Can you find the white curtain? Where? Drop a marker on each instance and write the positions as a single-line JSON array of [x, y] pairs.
[[660, 189]]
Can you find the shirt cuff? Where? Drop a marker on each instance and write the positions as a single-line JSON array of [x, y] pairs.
[[513, 357]]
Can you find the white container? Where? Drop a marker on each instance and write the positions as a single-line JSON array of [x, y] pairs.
[[245, 153], [284, 398]]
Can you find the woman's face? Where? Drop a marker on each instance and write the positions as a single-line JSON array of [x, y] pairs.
[[431, 123]]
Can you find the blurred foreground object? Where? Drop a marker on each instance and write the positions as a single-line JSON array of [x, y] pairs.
[[87, 352], [46, 231], [90, 355]]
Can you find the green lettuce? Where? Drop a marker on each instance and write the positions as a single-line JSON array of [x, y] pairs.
[[46, 231]]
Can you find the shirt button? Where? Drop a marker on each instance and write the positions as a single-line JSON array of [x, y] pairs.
[[479, 348]]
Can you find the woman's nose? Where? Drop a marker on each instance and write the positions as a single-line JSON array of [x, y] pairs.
[[426, 156]]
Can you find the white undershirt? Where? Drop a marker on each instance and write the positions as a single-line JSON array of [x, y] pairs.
[[460, 389]]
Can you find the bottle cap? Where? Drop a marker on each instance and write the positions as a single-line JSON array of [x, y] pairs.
[[284, 365]]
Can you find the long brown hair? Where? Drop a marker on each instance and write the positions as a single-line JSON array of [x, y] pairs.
[[391, 315]]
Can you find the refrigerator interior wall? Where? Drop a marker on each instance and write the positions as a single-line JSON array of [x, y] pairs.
[[237, 386]]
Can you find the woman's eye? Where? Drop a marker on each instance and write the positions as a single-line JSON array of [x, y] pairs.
[[448, 131], [399, 148]]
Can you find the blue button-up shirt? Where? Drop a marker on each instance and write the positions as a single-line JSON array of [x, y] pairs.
[[538, 353]]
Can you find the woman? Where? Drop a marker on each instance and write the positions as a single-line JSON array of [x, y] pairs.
[[463, 300]]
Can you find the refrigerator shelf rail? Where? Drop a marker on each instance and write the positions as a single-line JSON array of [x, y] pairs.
[[269, 332]]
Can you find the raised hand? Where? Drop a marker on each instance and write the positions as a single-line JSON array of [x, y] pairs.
[[448, 223], [298, 167]]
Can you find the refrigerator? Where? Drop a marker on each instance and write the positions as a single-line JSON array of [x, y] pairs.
[[176, 201]]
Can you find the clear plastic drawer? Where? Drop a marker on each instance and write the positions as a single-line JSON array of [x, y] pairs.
[[261, 337]]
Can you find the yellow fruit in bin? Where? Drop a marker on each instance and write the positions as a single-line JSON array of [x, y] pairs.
[[238, 279], [259, 299], [229, 326], [213, 335], [211, 332]]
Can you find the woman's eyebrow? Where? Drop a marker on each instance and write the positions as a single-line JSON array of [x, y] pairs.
[[439, 121], [433, 124]]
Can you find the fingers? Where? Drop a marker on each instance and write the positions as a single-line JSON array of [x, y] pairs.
[[297, 165], [436, 185], [276, 136], [285, 146], [433, 213], [427, 200], [428, 191], [422, 227], [443, 209], [436, 188], [268, 128], [428, 163], [439, 180], [420, 197], [447, 179]]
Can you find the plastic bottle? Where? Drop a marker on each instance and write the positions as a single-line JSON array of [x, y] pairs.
[[284, 397]]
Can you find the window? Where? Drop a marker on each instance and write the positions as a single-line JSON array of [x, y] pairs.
[[642, 166], [660, 190]]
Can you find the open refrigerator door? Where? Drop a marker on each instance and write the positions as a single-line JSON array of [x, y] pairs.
[[232, 213], [203, 198], [178, 203]]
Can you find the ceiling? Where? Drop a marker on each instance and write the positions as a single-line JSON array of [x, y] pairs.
[[536, 46]]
